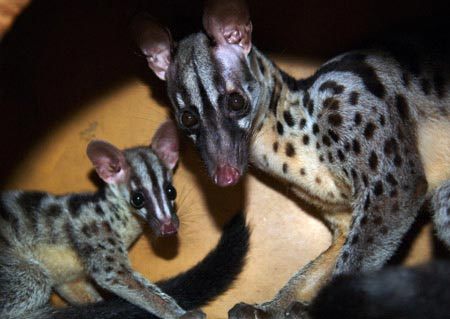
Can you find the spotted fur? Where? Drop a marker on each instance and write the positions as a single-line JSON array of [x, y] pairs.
[[350, 138], [47, 241]]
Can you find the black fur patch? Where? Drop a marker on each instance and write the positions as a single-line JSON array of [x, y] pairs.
[[288, 118], [333, 86]]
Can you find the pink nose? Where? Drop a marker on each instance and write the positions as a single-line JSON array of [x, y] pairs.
[[226, 175], [168, 228]]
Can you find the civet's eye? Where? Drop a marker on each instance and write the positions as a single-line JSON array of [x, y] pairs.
[[236, 102], [171, 192], [188, 119], [137, 200]]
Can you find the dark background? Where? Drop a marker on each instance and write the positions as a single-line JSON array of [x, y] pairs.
[[60, 54]]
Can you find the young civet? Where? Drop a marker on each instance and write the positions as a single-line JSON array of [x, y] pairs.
[[48, 241], [366, 138]]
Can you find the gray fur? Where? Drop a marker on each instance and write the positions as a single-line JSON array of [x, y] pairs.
[[441, 203], [97, 228]]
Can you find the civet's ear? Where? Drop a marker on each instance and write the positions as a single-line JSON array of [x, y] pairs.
[[154, 42], [109, 162], [165, 143], [228, 23]]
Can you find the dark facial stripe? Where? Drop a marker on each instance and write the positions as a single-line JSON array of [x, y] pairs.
[[206, 103]]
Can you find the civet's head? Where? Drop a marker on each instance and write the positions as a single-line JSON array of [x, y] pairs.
[[212, 88], [142, 176]]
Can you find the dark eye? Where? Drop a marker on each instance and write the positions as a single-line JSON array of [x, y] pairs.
[[236, 102], [171, 192], [188, 119], [137, 200]]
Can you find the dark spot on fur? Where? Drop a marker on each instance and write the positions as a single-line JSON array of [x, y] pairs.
[[378, 189], [393, 193], [391, 179], [330, 158], [108, 269], [321, 158], [354, 97], [302, 124], [365, 180], [378, 220], [369, 240], [285, 168], [290, 150], [99, 211], [358, 118], [310, 107], [112, 241], [318, 180], [367, 202], [54, 210], [341, 155], [363, 220], [280, 128], [354, 240], [331, 104], [384, 230], [315, 129], [402, 107], [86, 250], [333, 86], [369, 130], [398, 160], [334, 136], [275, 147], [347, 146], [288, 118], [326, 140], [306, 99], [345, 255], [305, 139], [106, 226], [382, 120], [317, 145], [345, 172], [85, 230], [110, 259], [356, 147], [373, 161], [302, 171], [335, 119], [390, 147]]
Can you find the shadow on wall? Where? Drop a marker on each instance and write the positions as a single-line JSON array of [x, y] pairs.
[[61, 54]]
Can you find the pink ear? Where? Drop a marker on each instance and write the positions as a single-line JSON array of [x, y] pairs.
[[155, 43], [228, 22], [165, 144], [109, 162]]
